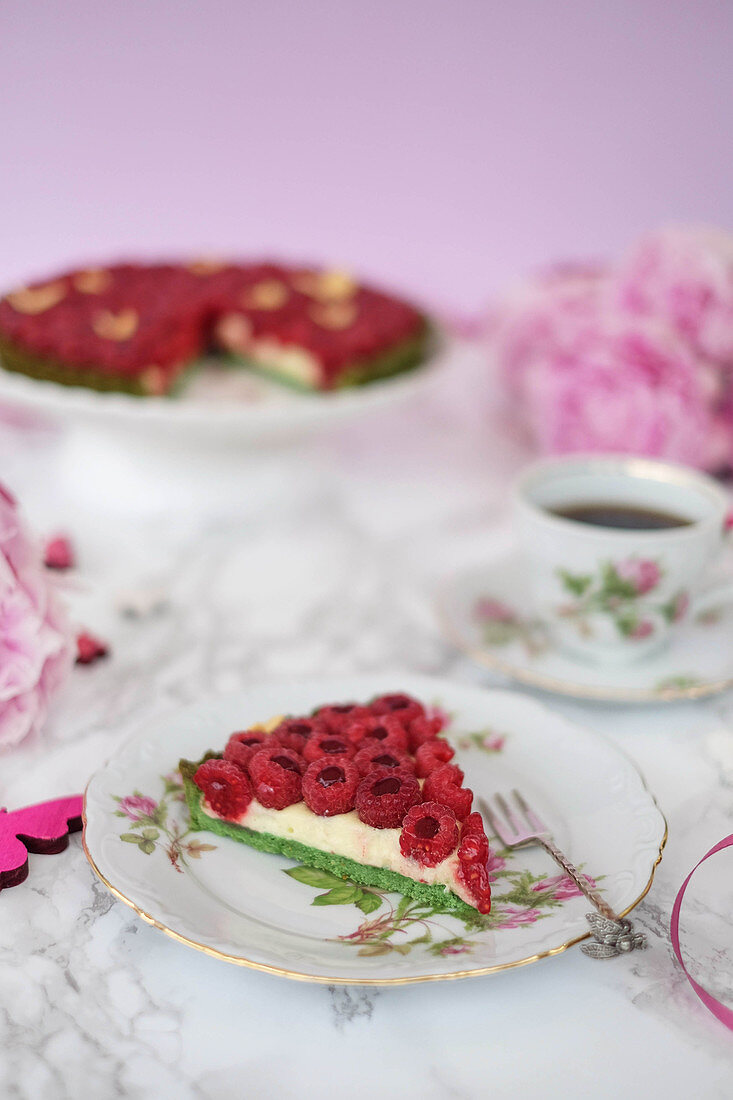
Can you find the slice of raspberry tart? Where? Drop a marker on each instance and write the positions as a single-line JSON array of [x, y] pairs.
[[365, 791]]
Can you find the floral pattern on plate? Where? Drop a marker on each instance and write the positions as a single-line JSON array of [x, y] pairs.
[[155, 824], [520, 897], [240, 905]]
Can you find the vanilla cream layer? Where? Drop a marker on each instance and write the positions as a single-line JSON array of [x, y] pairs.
[[345, 835]]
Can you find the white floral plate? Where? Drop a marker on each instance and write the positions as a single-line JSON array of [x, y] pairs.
[[266, 912], [485, 611]]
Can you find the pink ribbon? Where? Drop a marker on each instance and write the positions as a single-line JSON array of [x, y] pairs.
[[719, 1010]]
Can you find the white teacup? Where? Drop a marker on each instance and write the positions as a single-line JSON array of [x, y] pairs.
[[611, 593]]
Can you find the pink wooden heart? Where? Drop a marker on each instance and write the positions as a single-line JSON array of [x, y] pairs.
[[43, 828]]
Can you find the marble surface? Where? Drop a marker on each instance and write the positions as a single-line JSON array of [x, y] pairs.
[[280, 583]]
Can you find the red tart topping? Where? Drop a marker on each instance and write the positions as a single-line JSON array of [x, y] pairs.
[[205, 266], [294, 732], [326, 743], [334, 315], [403, 707], [94, 281], [268, 294], [225, 787], [242, 746], [377, 755], [233, 331], [423, 729], [384, 797], [384, 728], [89, 649], [37, 299], [59, 553], [116, 326], [329, 787], [473, 853], [276, 777], [474, 846], [326, 286], [444, 785], [431, 755], [154, 380], [340, 715], [429, 833]]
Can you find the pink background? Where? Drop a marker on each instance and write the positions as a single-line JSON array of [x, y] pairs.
[[442, 147]]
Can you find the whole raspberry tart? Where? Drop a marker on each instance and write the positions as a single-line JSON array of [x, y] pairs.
[[371, 810], [141, 328]]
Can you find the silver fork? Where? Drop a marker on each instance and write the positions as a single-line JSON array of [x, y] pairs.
[[612, 934]]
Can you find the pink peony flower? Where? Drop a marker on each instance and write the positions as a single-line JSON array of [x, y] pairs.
[[489, 610], [634, 360], [514, 918], [683, 275], [137, 806], [542, 317], [561, 887], [35, 639], [642, 573], [620, 386]]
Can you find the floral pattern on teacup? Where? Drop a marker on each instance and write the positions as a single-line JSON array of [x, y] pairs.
[[626, 593]]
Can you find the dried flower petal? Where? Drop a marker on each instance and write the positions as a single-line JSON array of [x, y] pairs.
[[59, 553]]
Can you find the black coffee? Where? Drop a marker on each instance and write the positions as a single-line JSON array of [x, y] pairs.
[[628, 517]]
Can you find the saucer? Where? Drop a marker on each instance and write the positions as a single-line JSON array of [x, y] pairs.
[[486, 612]]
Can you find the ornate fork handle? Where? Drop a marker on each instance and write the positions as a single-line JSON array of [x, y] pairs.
[[592, 895], [612, 934]]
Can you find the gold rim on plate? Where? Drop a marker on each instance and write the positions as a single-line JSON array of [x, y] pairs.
[[323, 979]]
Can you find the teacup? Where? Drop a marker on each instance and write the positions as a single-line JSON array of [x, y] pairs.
[[609, 592]]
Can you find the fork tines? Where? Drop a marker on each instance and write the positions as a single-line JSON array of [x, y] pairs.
[[512, 829]]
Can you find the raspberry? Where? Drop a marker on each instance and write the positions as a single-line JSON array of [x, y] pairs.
[[403, 707], [383, 728], [339, 715], [431, 755], [473, 854], [328, 744], [329, 787], [429, 833], [474, 846], [377, 756], [89, 649], [421, 730], [384, 797], [225, 787], [241, 746], [475, 878], [444, 785], [294, 732], [276, 777], [59, 554]]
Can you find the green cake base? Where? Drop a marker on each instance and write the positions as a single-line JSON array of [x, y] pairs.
[[398, 360], [436, 897]]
